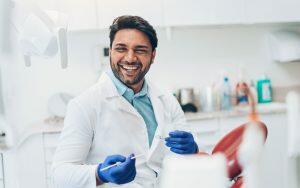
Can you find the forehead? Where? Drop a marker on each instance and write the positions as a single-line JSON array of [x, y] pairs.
[[131, 37]]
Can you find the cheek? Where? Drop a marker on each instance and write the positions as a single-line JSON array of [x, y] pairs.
[[146, 63], [115, 60]]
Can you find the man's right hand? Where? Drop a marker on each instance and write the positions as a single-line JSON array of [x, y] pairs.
[[120, 174]]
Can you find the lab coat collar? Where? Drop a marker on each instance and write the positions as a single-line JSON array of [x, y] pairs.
[[110, 90], [124, 90]]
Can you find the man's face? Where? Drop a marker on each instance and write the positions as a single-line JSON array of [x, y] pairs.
[[131, 56]]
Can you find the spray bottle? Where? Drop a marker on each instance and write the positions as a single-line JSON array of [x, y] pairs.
[[264, 90]]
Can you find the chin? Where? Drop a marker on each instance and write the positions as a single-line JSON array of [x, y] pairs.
[[130, 82]]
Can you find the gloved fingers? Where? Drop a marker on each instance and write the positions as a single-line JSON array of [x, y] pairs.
[[112, 159], [180, 134], [187, 146], [126, 178], [121, 175], [132, 175], [177, 140], [124, 167], [129, 163], [179, 151]]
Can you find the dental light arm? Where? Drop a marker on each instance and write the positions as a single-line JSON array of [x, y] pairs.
[[43, 33]]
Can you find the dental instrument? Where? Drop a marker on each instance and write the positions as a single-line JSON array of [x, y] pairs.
[[118, 163]]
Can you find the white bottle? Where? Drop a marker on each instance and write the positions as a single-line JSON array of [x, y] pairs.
[[253, 91], [225, 94]]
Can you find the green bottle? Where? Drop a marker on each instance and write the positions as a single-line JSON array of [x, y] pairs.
[[264, 90]]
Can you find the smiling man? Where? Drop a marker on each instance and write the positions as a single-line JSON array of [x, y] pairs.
[[131, 56], [122, 116]]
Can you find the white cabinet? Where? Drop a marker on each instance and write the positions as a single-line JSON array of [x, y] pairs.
[[214, 12], [227, 124], [24, 166], [82, 14], [275, 153], [206, 133], [203, 12], [188, 12], [50, 142], [259, 11], [1, 172], [274, 158], [99, 14], [30, 164], [229, 11], [151, 10]]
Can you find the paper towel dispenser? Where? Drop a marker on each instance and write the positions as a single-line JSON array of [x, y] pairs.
[[285, 46]]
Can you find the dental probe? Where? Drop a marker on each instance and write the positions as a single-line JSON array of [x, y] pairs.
[[118, 163]]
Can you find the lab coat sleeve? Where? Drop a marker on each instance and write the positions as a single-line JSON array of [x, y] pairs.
[[69, 169]]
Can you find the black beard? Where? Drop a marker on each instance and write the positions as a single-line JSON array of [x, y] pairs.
[[140, 76]]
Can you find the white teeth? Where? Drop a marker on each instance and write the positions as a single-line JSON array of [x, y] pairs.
[[130, 67]]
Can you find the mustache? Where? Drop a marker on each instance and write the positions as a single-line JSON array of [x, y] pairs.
[[135, 63]]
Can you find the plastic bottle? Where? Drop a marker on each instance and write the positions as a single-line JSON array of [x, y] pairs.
[[241, 93], [225, 94], [241, 89], [253, 91], [264, 90]]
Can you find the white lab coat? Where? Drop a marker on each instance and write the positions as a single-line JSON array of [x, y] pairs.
[[100, 122]]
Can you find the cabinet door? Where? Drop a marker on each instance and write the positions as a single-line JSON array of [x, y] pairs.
[[24, 165], [188, 12], [203, 12], [50, 142], [274, 154], [81, 13], [229, 12], [272, 10], [108, 10], [274, 159], [206, 133], [227, 124]]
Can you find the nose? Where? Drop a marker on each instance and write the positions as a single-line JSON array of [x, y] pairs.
[[130, 56]]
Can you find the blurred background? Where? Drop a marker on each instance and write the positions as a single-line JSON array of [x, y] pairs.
[[209, 54]]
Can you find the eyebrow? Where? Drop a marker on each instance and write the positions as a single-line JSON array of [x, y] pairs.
[[120, 44]]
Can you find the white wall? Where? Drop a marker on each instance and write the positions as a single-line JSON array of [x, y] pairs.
[[196, 56], [193, 57]]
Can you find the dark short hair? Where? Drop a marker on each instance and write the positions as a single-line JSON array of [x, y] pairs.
[[133, 22]]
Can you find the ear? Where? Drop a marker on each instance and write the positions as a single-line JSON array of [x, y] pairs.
[[153, 56]]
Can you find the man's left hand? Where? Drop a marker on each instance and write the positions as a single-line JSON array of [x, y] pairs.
[[181, 142]]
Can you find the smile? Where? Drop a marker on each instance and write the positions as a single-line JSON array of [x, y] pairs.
[[129, 68]]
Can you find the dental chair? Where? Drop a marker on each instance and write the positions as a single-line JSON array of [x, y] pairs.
[[230, 145]]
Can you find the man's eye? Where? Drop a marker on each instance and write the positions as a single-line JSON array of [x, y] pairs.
[[120, 49], [141, 51]]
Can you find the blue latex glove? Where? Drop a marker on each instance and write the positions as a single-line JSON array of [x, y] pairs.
[[120, 174], [181, 142]]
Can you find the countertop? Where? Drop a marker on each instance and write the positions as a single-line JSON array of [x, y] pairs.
[[55, 124], [269, 108]]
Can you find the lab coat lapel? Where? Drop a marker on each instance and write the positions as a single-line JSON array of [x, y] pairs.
[[156, 100], [125, 106], [111, 93]]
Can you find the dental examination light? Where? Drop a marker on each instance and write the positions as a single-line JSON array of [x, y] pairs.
[[42, 33]]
